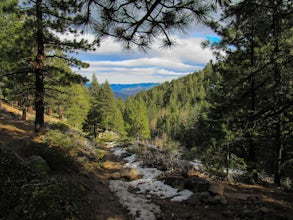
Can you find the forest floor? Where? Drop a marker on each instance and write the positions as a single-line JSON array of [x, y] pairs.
[[239, 201]]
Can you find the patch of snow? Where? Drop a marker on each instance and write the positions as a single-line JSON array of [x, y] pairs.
[[196, 164], [130, 159], [235, 171], [118, 151], [139, 202], [183, 195], [138, 206]]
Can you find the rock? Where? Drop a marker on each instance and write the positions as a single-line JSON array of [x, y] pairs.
[[174, 181], [216, 189], [130, 174], [188, 184], [196, 184]]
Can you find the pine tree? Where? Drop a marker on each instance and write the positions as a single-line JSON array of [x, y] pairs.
[[46, 19], [252, 92], [136, 118], [139, 23], [77, 105], [91, 124]]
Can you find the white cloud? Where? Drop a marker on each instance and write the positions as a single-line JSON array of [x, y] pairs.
[[110, 62]]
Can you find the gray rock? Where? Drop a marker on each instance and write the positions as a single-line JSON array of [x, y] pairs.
[[216, 189]]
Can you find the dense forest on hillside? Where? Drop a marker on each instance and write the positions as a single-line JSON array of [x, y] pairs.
[[234, 115]]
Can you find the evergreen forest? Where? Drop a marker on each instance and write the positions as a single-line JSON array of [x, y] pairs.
[[234, 115]]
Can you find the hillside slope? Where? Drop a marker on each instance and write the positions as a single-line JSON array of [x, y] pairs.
[[43, 181], [59, 175]]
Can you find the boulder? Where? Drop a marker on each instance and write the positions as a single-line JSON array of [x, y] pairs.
[[174, 181], [196, 184], [216, 189]]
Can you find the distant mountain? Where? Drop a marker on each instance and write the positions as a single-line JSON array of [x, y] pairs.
[[125, 90]]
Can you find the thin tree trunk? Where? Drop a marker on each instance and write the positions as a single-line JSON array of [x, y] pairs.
[[38, 66], [24, 113], [39, 103], [30, 109], [278, 83], [251, 149], [279, 152], [60, 113]]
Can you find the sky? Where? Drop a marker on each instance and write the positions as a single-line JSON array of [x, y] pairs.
[[112, 63]]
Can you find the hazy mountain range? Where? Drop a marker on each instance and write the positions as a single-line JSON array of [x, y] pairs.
[[125, 90]]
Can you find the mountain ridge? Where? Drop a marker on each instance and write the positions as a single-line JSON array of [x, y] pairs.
[[125, 90]]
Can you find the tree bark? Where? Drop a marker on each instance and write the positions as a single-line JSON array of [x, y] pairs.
[[38, 67], [279, 147], [251, 149], [279, 152], [24, 113], [60, 113]]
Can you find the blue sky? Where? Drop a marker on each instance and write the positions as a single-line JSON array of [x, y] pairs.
[[111, 62]]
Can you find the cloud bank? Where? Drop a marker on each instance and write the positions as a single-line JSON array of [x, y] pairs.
[[111, 62]]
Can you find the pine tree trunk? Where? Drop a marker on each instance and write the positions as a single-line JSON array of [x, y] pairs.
[[39, 102], [279, 152], [30, 109], [251, 149], [24, 113], [38, 66], [60, 113], [278, 95]]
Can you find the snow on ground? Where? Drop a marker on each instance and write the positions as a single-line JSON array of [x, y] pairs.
[[136, 196], [118, 151]]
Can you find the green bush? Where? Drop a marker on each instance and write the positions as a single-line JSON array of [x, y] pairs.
[[57, 138]]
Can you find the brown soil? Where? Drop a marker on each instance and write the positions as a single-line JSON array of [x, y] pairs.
[[243, 201]]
